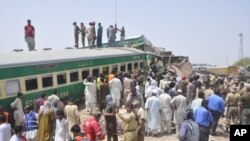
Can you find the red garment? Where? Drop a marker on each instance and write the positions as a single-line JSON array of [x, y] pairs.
[[29, 31], [23, 138], [92, 128], [38, 104]]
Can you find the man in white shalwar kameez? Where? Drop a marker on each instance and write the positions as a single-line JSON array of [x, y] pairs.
[[5, 129], [148, 93], [179, 103], [115, 86], [18, 107], [153, 106], [72, 114], [62, 132], [163, 82], [150, 90], [90, 94], [166, 111]]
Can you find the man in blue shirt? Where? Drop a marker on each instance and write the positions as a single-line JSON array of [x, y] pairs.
[[204, 119], [189, 130], [216, 106]]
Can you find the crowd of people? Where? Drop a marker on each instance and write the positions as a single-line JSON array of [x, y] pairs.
[[93, 38], [154, 101]]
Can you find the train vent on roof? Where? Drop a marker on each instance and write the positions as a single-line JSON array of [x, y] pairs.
[[18, 50], [69, 48], [47, 49]]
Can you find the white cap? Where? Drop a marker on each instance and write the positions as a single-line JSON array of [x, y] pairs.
[[154, 91], [179, 91]]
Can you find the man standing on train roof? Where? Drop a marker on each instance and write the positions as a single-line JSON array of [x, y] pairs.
[[122, 35], [29, 35], [91, 34], [111, 35], [99, 35], [76, 34], [83, 34]]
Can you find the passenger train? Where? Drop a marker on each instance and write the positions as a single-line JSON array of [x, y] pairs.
[[64, 70]]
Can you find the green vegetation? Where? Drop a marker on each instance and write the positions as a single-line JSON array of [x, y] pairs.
[[244, 62]]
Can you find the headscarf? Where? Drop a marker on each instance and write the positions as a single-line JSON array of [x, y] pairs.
[[46, 108], [109, 99]]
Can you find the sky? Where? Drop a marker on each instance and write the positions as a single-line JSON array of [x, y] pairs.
[[207, 31]]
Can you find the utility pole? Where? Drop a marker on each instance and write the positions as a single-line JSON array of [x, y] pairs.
[[115, 11], [241, 46]]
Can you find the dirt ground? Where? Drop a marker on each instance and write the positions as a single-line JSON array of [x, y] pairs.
[[221, 135]]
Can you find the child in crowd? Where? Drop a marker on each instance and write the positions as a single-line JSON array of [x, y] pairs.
[[18, 134], [61, 133], [78, 135]]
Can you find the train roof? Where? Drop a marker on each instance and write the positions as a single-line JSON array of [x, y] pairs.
[[14, 59]]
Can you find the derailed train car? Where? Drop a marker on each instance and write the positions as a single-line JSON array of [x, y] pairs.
[[230, 70]]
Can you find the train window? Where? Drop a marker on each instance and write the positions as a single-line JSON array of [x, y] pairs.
[[47, 81], [141, 65], [12, 87], [74, 76], [85, 74], [115, 67], [95, 72], [136, 65], [31, 84], [61, 79], [123, 68], [130, 67], [105, 70]]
